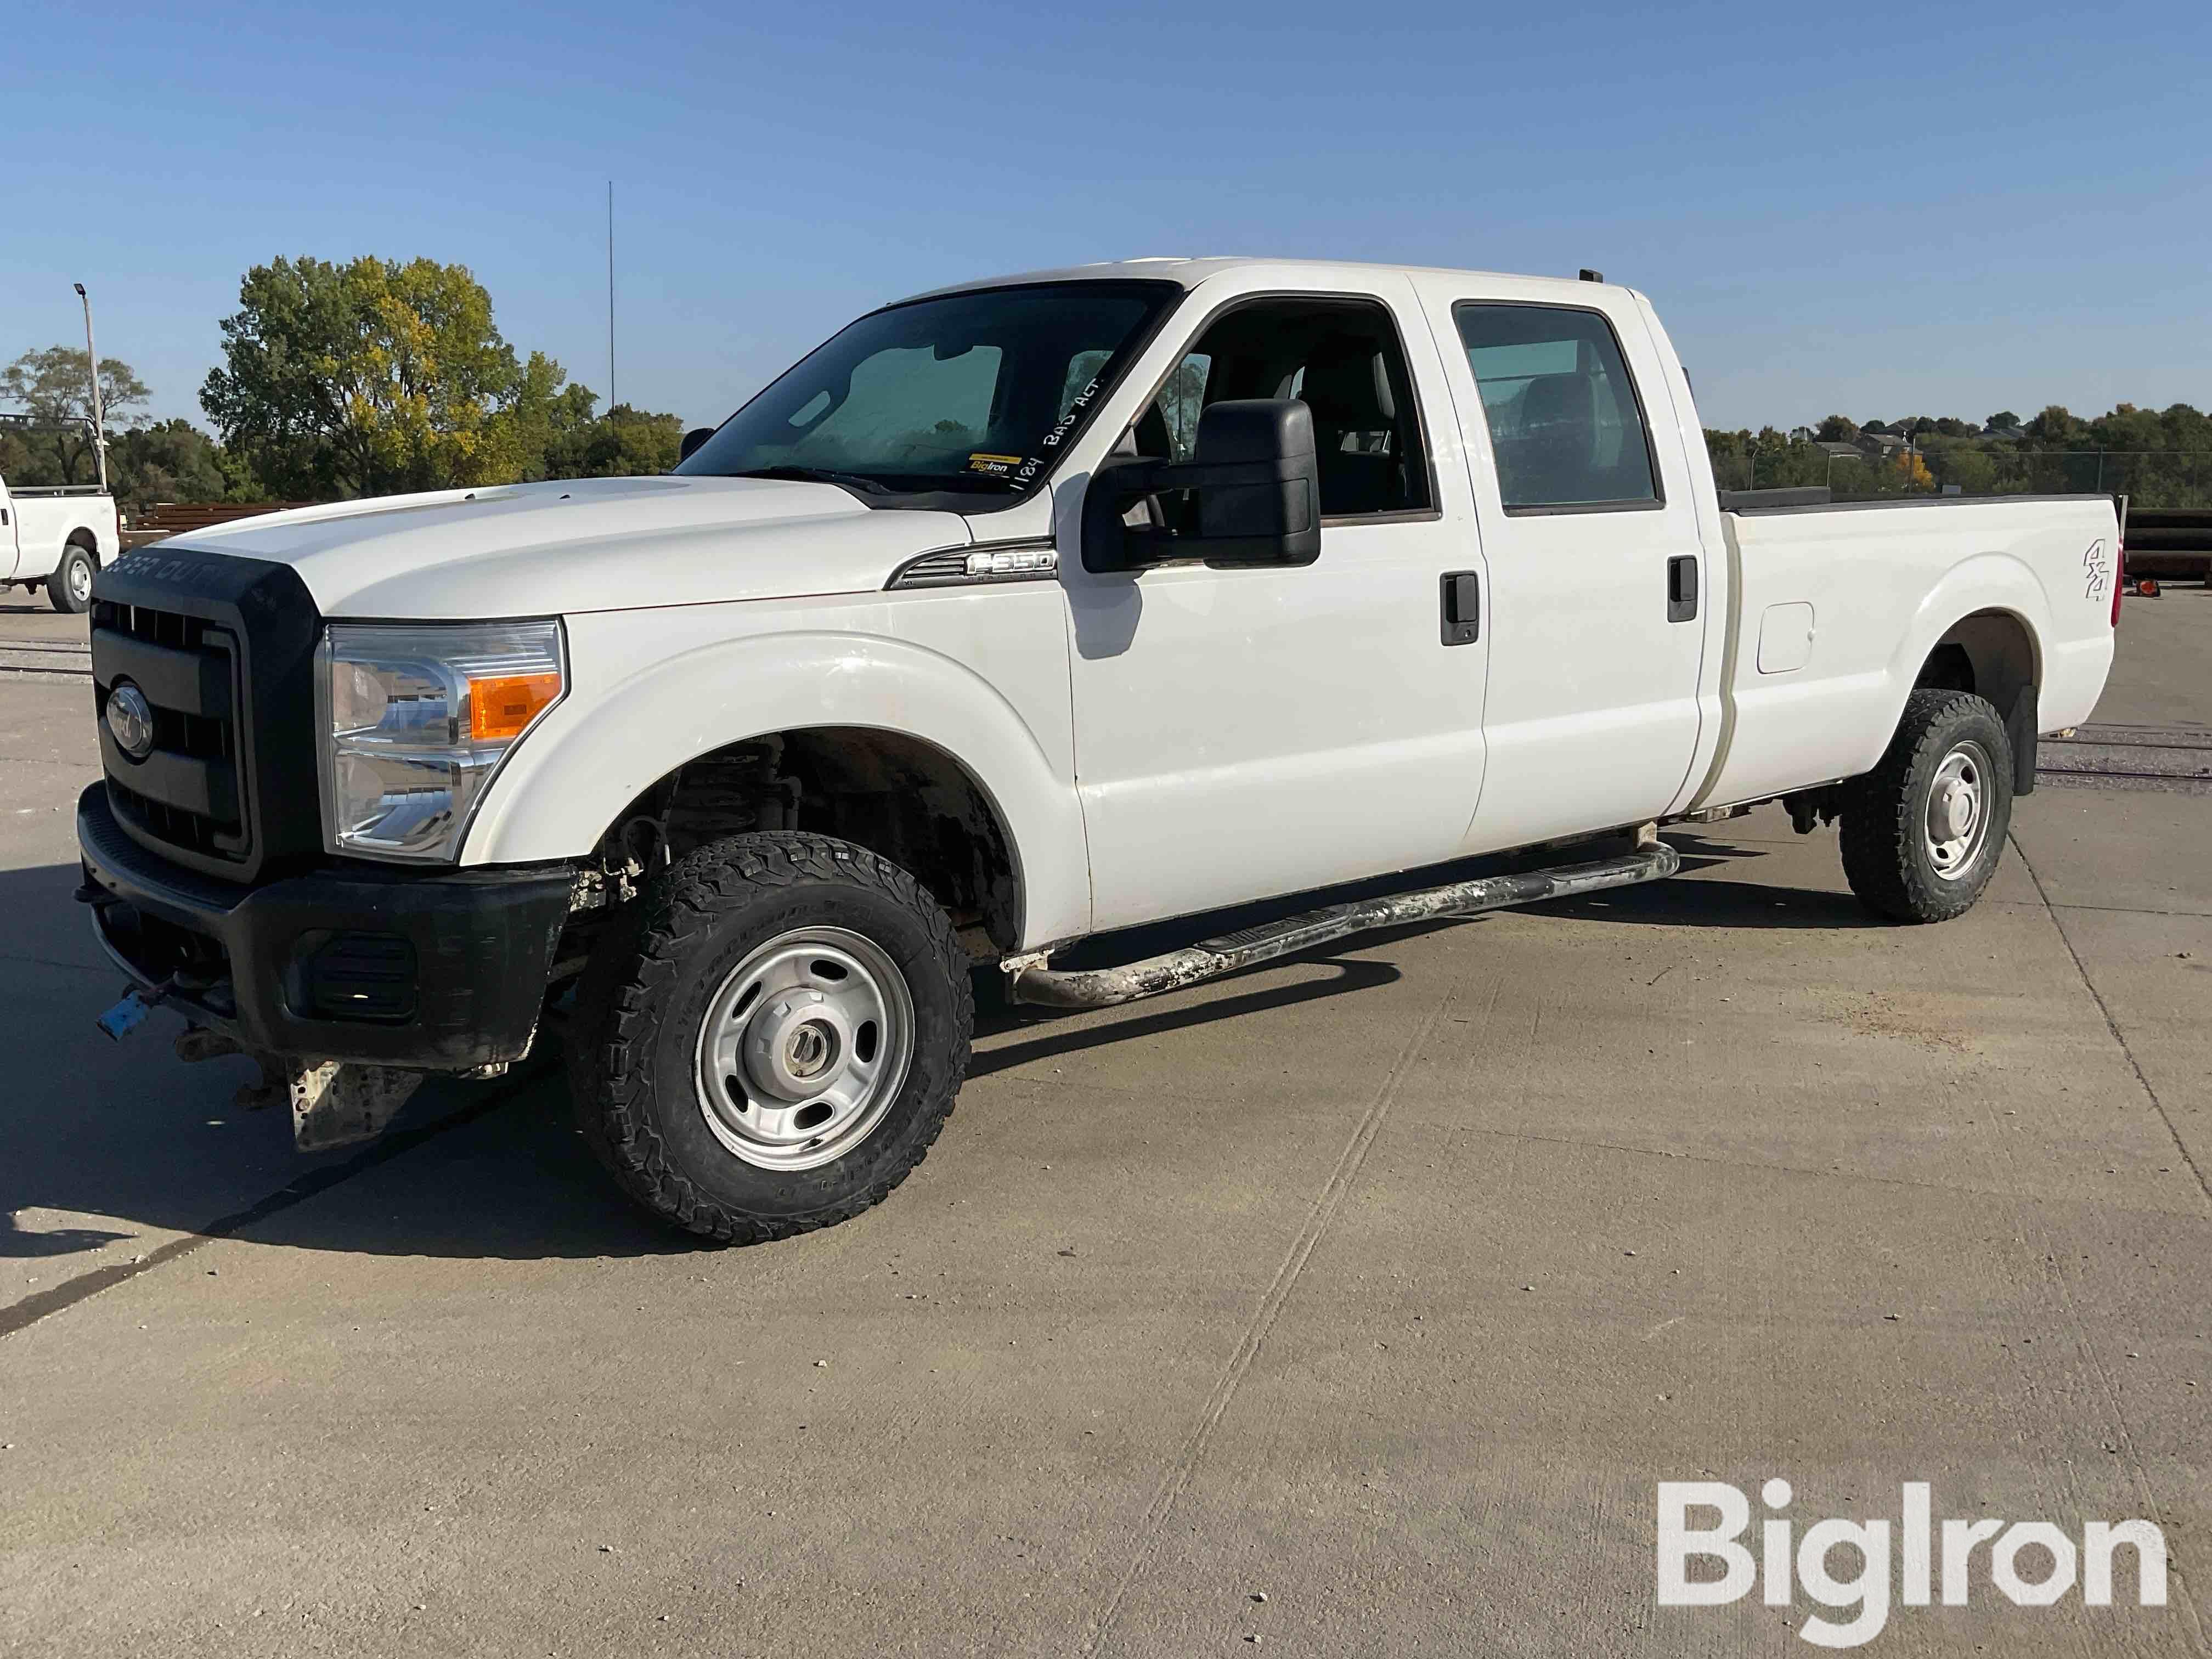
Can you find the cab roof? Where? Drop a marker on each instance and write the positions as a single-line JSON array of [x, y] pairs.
[[1189, 273]]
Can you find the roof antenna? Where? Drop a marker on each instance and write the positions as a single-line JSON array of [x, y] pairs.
[[1589, 275]]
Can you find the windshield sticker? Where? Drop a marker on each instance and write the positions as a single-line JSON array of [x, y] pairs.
[[1075, 411], [999, 467]]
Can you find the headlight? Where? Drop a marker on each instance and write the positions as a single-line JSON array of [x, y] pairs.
[[416, 720]]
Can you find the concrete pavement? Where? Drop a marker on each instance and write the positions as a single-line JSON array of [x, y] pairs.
[[1386, 1285]]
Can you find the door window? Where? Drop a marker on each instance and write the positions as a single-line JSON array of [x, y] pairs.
[[1342, 357], [1565, 422]]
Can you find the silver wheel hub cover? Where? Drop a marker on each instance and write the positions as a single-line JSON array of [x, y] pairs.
[[803, 1048], [1958, 815]]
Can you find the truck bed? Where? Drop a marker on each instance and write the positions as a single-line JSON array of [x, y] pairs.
[[1838, 606]]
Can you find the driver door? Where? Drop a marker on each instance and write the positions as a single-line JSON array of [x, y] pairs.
[[1241, 733]]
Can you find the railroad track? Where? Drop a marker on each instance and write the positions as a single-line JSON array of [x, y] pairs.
[[63, 657], [2176, 760]]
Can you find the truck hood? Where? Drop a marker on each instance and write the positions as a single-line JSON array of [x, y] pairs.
[[584, 544]]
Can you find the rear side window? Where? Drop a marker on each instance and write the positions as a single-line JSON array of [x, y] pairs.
[[1565, 422]]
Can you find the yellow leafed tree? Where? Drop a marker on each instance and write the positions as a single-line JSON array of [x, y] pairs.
[[376, 377]]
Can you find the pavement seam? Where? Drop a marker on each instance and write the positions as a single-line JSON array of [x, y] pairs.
[[43, 1304], [2101, 909], [49, 962], [2111, 1024], [2032, 1236], [1953, 1187], [1326, 1207]]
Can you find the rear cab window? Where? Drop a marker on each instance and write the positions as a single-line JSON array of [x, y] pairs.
[[1566, 425]]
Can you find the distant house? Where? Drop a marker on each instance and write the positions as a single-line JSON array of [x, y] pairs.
[[1842, 451]]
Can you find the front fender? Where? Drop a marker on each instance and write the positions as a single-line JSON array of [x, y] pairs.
[[651, 690]]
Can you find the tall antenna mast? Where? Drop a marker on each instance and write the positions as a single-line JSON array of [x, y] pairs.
[[611, 294], [99, 425]]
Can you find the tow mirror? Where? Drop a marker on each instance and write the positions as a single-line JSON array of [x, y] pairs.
[[1257, 478], [692, 440]]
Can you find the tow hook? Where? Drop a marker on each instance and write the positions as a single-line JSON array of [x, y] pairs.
[[197, 1042]]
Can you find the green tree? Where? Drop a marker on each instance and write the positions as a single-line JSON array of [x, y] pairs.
[[1837, 429], [624, 442], [2055, 429], [375, 377], [170, 461], [2004, 420], [1765, 459], [55, 385]]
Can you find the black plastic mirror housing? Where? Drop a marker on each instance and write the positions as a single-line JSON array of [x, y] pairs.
[[1257, 477]]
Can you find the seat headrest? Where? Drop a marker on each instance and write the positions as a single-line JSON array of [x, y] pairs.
[[1347, 384], [1551, 401]]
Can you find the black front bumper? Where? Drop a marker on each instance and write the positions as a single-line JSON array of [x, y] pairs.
[[445, 971]]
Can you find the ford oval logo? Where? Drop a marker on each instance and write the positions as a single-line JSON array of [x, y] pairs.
[[131, 719]]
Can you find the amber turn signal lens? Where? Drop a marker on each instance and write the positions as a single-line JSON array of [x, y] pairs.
[[501, 707]]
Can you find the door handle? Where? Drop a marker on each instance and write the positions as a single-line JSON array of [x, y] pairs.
[[1463, 607], [1682, 587]]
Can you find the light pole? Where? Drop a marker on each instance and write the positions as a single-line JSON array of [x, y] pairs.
[[92, 360]]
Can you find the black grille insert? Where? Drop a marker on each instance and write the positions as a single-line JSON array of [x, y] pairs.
[[222, 647], [190, 791]]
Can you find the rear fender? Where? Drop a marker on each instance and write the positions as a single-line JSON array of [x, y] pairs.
[[1986, 583]]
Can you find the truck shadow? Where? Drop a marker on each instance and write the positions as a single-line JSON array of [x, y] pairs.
[[121, 1139]]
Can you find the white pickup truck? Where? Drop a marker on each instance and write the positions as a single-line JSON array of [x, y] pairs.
[[56, 537], [1015, 615]]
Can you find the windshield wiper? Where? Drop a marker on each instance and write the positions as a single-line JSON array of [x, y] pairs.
[[815, 475], [959, 482]]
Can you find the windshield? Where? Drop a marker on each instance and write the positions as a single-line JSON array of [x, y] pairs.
[[974, 394]]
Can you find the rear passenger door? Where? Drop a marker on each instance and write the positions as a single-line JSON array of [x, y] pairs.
[[1597, 577]]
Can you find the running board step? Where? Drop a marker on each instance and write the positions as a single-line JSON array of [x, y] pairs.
[[1101, 987]]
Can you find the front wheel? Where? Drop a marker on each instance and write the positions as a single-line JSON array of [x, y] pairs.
[[1922, 832], [68, 590], [772, 1038]]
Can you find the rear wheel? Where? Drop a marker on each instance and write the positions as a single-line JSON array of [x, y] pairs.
[[1922, 832], [68, 590], [772, 1039]]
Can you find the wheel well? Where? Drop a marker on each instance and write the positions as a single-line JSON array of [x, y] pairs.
[[895, 795], [1991, 653]]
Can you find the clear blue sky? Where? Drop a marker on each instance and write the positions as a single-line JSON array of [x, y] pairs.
[[1877, 210]]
